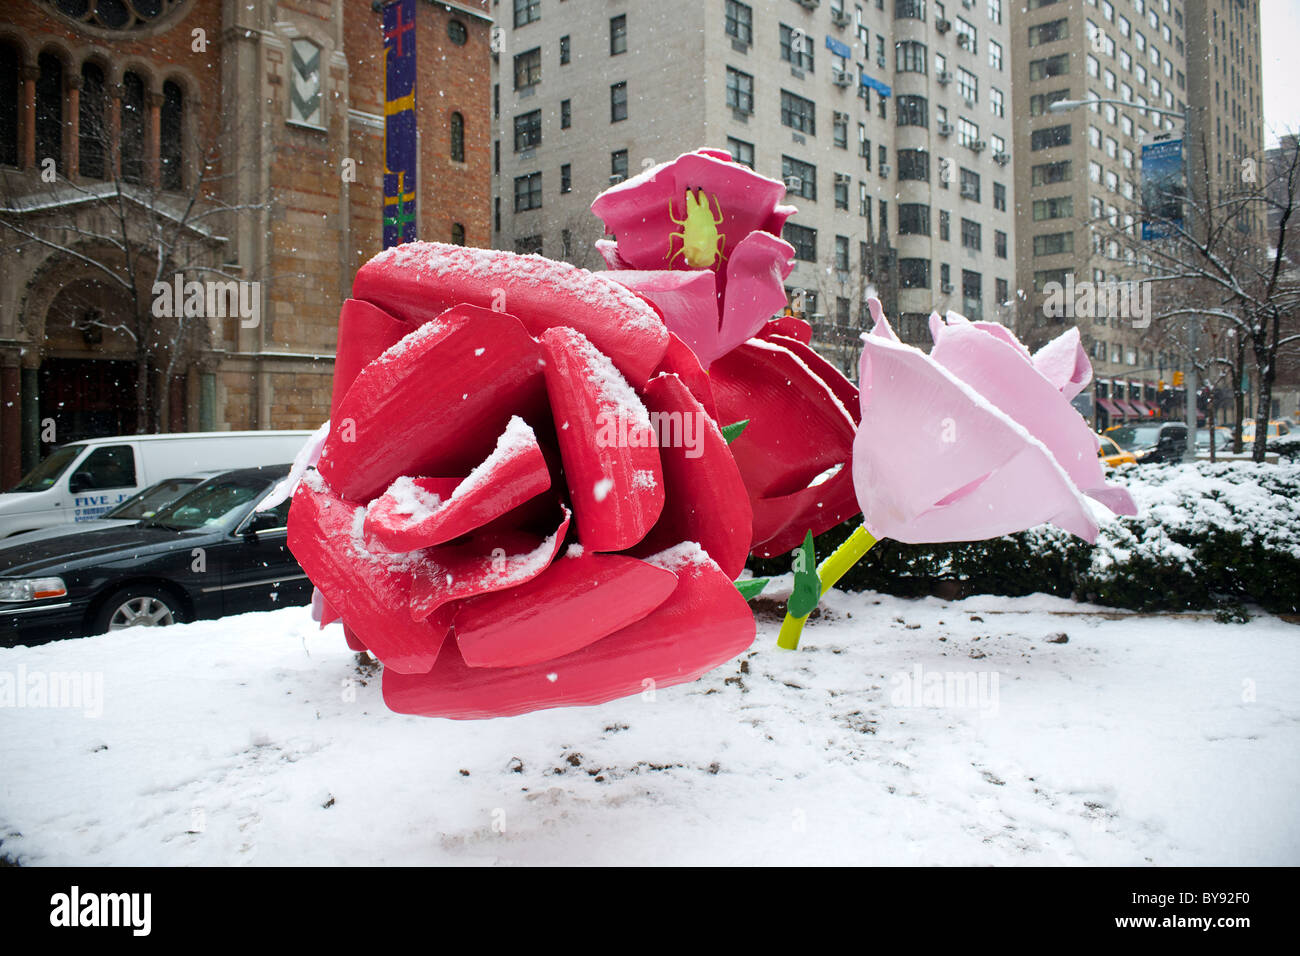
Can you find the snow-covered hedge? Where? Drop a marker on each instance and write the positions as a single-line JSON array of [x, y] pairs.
[[1206, 536]]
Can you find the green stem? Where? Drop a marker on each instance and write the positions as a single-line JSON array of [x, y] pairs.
[[828, 572]]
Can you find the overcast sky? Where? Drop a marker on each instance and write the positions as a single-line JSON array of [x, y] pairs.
[[1280, 36]]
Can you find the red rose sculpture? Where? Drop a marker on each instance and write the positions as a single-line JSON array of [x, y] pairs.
[[699, 238], [522, 501]]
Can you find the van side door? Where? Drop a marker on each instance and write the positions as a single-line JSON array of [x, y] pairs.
[[102, 480]]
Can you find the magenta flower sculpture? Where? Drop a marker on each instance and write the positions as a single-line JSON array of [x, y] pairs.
[[700, 238]]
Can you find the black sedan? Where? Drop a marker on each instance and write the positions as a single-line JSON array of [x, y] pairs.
[[205, 555]]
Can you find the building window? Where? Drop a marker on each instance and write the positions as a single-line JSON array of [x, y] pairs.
[[840, 130], [1049, 32], [171, 136], [912, 111], [740, 91], [1046, 174], [913, 164], [972, 294], [528, 130], [800, 177], [999, 197], [1050, 137], [798, 113], [910, 56], [49, 109], [1039, 102], [1053, 244], [1059, 207], [967, 38], [566, 178], [566, 114], [457, 32], [618, 102], [804, 240], [458, 137], [526, 11], [528, 192], [1058, 65], [909, 9], [913, 273], [970, 184], [93, 126], [741, 151], [618, 165], [995, 55], [913, 219], [133, 126], [566, 50], [968, 85], [618, 34], [496, 213], [796, 48], [944, 225], [970, 235], [999, 244], [842, 254], [305, 100], [529, 245], [457, 234], [968, 133], [740, 22], [842, 181], [1002, 291], [528, 68], [997, 102]]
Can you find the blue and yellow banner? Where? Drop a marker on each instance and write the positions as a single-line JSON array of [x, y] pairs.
[[399, 122]]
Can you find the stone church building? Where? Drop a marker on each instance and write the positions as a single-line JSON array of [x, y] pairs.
[[233, 151]]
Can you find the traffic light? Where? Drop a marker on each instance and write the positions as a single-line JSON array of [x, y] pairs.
[[1160, 385], [1178, 379]]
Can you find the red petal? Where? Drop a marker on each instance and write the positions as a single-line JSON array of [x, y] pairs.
[[417, 280], [788, 326], [370, 593], [365, 333], [433, 404], [513, 473], [353, 642], [574, 602], [491, 562], [679, 360], [844, 390], [702, 624], [611, 463], [705, 500], [799, 429]]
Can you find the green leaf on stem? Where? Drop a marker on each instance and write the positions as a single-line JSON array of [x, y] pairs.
[[732, 432], [807, 586], [751, 588]]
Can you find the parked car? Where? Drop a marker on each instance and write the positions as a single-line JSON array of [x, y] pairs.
[[82, 480], [1222, 439], [1276, 429], [1111, 455], [205, 555], [1151, 442], [141, 505]]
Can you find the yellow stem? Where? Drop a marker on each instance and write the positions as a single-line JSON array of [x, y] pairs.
[[828, 572]]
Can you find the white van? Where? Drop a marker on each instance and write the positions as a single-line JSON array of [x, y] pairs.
[[81, 480]]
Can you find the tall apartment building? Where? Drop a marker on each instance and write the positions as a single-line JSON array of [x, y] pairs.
[[889, 120], [1079, 171], [1226, 123]]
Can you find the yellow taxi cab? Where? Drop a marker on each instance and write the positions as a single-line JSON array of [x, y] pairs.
[[1276, 429], [1112, 455]]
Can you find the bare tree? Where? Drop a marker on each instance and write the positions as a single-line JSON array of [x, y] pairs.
[[135, 225]]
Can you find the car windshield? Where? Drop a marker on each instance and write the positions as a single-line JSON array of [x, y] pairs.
[[217, 502], [1130, 437], [44, 475], [145, 503]]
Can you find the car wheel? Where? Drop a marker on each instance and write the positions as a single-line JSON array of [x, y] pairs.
[[138, 607]]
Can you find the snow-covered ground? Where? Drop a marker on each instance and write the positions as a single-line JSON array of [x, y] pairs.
[[260, 740]]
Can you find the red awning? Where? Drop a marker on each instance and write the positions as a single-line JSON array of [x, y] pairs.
[[1142, 408], [1110, 408]]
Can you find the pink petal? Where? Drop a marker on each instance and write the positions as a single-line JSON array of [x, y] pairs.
[[996, 369], [574, 602], [611, 463], [756, 274], [608, 249], [688, 302], [513, 473], [926, 438], [1064, 362]]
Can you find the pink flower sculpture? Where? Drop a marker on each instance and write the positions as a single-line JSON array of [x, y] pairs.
[[976, 439], [496, 513]]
